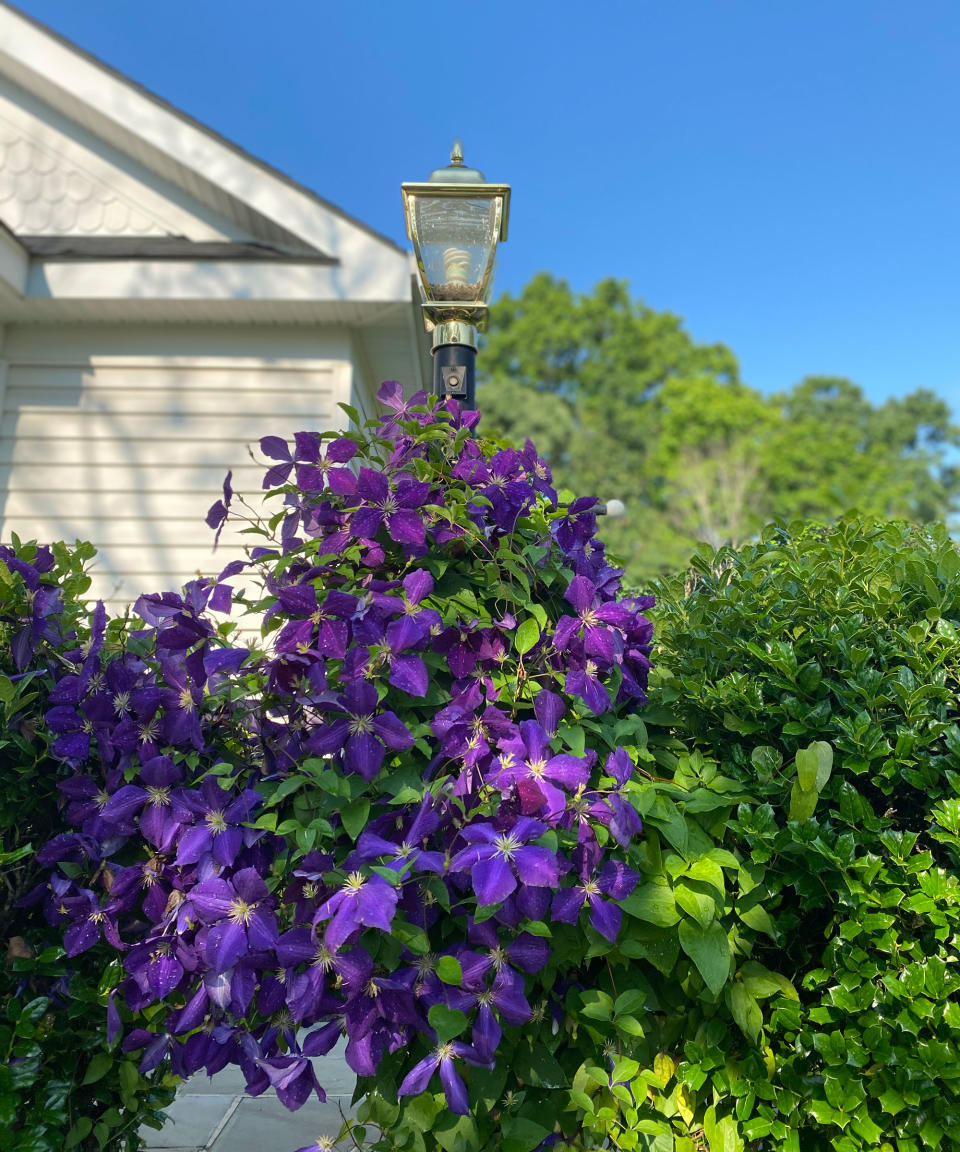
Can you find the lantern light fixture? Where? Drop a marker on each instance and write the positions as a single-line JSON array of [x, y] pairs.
[[455, 220]]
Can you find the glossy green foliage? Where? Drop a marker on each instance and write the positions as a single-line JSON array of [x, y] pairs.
[[60, 1085], [820, 667]]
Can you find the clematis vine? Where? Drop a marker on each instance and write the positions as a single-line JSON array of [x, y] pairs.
[[389, 822]]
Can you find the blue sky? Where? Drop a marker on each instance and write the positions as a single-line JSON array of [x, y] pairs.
[[783, 175]]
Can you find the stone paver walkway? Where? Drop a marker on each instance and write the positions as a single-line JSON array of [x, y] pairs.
[[212, 1114]]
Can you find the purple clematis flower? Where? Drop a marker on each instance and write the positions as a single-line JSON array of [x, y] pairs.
[[219, 512], [363, 901], [506, 995], [220, 831], [406, 848], [583, 680], [89, 922], [499, 860], [616, 881], [441, 1059], [363, 734], [528, 758], [392, 505], [614, 809], [314, 463], [594, 622], [237, 914], [312, 627], [293, 1078]]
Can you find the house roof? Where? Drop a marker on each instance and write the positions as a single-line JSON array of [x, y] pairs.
[[240, 151], [168, 202]]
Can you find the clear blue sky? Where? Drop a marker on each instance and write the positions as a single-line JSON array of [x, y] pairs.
[[785, 176]]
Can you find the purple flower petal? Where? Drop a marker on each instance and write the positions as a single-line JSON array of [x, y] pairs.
[[275, 448], [454, 1088], [419, 1076], [537, 866], [486, 1031], [364, 754], [366, 522], [605, 918], [580, 593], [392, 732], [406, 527], [567, 904], [409, 674], [549, 709], [417, 585], [226, 943], [493, 880], [372, 485]]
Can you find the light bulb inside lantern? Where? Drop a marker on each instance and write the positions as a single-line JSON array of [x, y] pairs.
[[456, 265]]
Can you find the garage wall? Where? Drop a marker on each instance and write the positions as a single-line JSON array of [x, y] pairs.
[[123, 437]]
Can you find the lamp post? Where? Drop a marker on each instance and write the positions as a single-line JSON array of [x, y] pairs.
[[454, 221]]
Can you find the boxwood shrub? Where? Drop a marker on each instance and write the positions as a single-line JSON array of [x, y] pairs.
[[820, 666]]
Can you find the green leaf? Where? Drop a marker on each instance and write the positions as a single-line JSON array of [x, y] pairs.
[[695, 903], [573, 736], [522, 1135], [597, 1005], [709, 949], [814, 764], [527, 635], [421, 1111], [446, 1022], [746, 1011], [456, 1133], [129, 1076], [722, 1135], [802, 804], [98, 1067], [449, 970], [354, 817], [761, 982], [624, 1070], [628, 1025], [79, 1131], [759, 919], [286, 788], [654, 902], [630, 1000]]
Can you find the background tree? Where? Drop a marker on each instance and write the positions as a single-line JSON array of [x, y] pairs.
[[624, 404]]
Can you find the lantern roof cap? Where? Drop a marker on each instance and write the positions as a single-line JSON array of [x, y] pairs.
[[456, 171]]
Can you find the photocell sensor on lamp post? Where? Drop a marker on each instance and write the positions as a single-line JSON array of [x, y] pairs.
[[455, 221]]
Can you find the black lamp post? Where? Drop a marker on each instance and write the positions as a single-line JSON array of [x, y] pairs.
[[454, 221]]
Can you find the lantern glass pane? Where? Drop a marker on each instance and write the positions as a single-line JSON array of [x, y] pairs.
[[456, 236]]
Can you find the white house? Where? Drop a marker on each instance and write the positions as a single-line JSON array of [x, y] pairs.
[[166, 299]]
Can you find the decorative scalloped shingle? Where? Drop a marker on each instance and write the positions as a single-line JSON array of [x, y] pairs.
[[44, 194]]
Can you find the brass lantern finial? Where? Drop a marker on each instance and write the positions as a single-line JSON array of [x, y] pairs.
[[456, 155]]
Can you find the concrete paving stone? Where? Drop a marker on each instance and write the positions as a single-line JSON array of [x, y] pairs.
[[262, 1124], [193, 1119], [228, 1082], [333, 1072]]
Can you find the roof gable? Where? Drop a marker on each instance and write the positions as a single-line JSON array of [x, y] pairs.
[[213, 190]]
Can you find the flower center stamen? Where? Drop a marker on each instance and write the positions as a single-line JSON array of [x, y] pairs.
[[241, 912], [216, 821]]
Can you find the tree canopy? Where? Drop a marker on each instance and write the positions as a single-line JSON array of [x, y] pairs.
[[624, 404]]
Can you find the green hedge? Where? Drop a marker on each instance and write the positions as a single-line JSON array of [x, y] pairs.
[[820, 667]]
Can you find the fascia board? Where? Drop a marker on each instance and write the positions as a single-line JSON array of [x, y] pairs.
[[146, 280]]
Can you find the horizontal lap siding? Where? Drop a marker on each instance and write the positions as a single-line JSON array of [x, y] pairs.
[[129, 453]]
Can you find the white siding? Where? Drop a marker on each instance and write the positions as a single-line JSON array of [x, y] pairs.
[[129, 449]]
